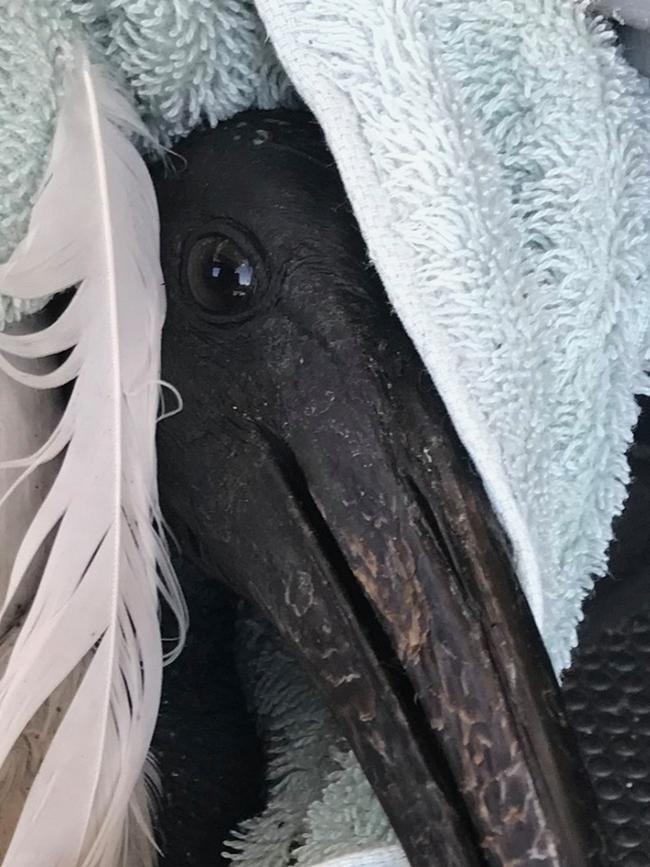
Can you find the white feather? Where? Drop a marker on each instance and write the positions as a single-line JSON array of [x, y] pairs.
[[94, 226]]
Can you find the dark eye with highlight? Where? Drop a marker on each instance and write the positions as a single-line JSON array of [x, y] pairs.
[[221, 276]]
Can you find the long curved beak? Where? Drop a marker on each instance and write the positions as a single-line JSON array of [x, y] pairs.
[[418, 630], [383, 565]]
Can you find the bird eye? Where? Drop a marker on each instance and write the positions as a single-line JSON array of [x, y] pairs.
[[221, 276]]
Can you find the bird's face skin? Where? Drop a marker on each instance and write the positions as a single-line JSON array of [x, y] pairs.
[[313, 469]]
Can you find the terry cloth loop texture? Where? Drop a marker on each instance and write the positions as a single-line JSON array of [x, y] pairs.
[[187, 62], [500, 152], [320, 804], [390, 856], [34, 46]]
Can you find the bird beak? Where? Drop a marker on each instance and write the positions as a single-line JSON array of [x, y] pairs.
[[413, 621], [381, 563]]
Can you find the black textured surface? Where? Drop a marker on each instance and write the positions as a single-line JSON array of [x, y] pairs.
[[607, 692], [607, 689]]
